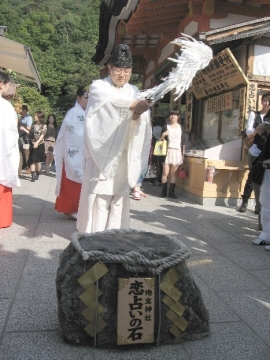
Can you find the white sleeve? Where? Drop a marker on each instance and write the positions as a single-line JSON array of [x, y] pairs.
[[250, 122]]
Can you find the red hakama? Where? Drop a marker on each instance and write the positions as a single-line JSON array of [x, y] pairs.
[[5, 206], [68, 200]]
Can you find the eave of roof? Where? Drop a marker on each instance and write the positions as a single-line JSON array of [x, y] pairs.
[[18, 58], [242, 30], [111, 12]]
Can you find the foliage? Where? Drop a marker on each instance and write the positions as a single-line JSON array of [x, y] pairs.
[[62, 36], [30, 95]]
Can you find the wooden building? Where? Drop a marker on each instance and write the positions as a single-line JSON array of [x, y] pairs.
[[221, 96]]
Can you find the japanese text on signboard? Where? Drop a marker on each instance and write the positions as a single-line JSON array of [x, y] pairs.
[[222, 74], [219, 103], [135, 311]]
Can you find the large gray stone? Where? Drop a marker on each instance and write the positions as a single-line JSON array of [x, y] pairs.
[[74, 262]]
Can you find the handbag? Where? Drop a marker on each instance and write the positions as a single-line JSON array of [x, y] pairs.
[[26, 146], [182, 173], [160, 148]]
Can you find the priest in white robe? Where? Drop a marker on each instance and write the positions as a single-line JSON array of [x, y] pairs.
[[9, 153], [117, 143], [69, 158]]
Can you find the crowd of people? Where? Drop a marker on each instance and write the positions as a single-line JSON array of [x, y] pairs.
[[36, 141], [105, 147]]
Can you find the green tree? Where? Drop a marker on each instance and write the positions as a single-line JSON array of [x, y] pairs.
[[35, 101], [62, 36]]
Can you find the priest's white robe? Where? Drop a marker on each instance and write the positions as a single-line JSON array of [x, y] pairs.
[[116, 153], [69, 147], [9, 149], [9, 160]]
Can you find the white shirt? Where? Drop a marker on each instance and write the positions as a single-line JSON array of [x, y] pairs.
[[254, 151]]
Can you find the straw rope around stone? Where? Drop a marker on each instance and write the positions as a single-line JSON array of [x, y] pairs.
[[132, 260]]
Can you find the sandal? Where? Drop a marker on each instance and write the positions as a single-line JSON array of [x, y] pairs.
[[136, 195], [142, 194]]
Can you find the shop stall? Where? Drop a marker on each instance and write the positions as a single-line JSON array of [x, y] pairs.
[[217, 107]]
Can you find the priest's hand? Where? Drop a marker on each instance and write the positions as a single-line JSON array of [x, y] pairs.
[[135, 116], [139, 107]]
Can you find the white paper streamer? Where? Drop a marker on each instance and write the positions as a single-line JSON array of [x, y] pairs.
[[194, 56]]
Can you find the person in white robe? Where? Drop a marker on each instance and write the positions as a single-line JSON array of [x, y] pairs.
[[117, 144], [9, 150], [69, 160]]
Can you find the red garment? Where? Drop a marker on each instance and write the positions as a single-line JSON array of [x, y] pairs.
[[5, 206], [68, 200]]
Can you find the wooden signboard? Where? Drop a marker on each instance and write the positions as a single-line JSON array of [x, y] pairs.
[[251, 98], [242, 106], [135, 314], [222, 74], [219, 103]]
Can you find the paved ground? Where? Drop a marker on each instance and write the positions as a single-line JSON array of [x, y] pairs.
[[232, 274]]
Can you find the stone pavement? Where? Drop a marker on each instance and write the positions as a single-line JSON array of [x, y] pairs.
[[232, 274]]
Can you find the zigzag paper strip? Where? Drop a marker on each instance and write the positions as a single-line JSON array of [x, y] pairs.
[[88, 297], [171, 300]]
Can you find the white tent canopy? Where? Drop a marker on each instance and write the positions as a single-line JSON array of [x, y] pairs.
[[18, 58]]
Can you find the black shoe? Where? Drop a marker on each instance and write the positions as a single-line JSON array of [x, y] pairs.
[[256, 211], [243, 206], [164, 190], [37, 175], [33, 176], [171, 191]]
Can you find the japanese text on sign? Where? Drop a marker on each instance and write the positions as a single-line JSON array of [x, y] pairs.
[[135, 311], [222, 74], [219, 103]]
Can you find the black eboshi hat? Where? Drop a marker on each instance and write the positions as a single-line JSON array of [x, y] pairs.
[[121, 56]]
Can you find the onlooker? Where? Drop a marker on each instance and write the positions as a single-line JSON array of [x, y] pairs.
[[37, 148], [69, 159], [25, 122], [49, 140], [174, 134], [157, 160], [255, 119], [263, 165], [9, 153], [117, 143]]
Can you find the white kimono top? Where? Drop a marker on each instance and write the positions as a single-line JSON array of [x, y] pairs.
[[69, 146], [117, 146], [9, 149]]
